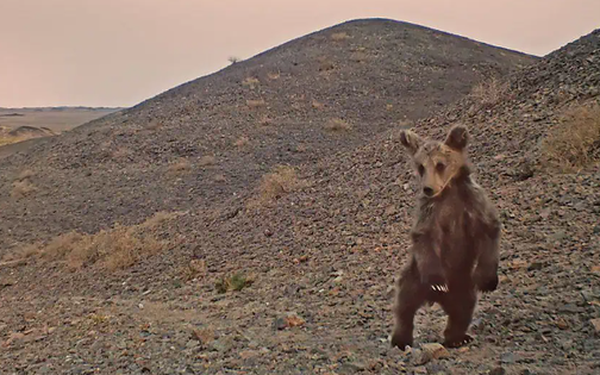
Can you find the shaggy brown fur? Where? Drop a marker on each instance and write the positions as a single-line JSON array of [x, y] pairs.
[[454, 240]]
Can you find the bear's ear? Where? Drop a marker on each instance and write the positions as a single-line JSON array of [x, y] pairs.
[[457, 138], [411, 141]]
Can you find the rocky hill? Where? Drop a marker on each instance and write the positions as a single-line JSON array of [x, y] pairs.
[[202, 142]]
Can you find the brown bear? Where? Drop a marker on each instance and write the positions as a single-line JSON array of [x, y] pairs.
[[455, 239]]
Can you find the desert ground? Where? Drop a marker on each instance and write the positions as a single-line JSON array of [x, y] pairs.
[[254, 221], [39, 122]]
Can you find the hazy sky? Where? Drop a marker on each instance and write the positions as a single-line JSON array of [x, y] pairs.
[[120, 52]]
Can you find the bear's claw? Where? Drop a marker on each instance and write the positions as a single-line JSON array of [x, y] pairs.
[[457, 344], [440, 288]]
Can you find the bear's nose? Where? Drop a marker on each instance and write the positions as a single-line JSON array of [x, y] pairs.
[[428, 191]]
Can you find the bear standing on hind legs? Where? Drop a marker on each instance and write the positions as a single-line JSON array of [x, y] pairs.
[[455, 240]]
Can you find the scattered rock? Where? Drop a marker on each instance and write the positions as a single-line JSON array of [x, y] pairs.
[[596, 324], [498, 371], [429, 351]]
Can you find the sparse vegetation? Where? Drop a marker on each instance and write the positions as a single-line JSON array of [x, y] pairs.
[[251, 82], [241, 141], [236, 282], [325, 64], [256, 103], [337, 125], [276, 184], [116, 248], [207, 160], [273, 75], [575, 142], [339, 36], [180, 166], [488, 92], [22, 189]]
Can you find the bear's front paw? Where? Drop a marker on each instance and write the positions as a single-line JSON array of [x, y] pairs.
[[487, 285], [437, 283]]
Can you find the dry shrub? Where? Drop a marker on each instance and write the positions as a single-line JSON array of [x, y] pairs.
[[489, 92], [256, 103], [180, 166], [233, 59], [273, 75], [241, 141], [207, 160], [325, 64], [339, 36], [337, 125], [316, 104], [117, 248], [154, 125], [22, 189], [23, 252], [276, 184], [251, 82], [575, 142]]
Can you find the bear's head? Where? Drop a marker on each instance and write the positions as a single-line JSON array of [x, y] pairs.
[[437, 163]]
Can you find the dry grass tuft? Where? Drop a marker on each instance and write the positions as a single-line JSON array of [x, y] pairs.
[[27, 174], [180, 166], [489, 92], [325, 64], [241, 141], [22, 189], [233, 59], [256, 103], [116, 248], [575, 142], [337, 125], [251, 82], [316, 104], [339, 36], [273, 76], [207, 160], [276, 184], [23, 252]]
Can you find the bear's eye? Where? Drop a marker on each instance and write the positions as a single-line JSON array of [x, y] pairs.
[[440, 167], [421, 169]]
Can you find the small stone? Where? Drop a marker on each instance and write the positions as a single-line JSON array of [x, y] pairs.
[[535, 266], [596, 324], [436, 350], [279, 324], [421, 370], [562, 324], [498, 371], [507, 358]]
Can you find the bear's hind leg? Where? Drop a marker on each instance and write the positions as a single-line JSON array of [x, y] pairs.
[[459, 306], [410, 297]]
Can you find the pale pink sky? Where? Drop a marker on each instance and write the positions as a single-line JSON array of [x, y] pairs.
[[120, 52]]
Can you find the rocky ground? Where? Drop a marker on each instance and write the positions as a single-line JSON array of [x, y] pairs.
[[316, 266]]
